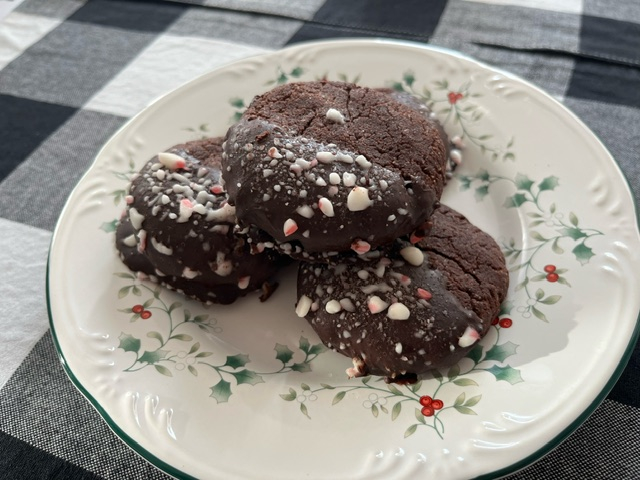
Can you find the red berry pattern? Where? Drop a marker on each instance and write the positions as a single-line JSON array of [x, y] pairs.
[[495, 321], [430, 405], [137, 309], [549, 268], [454, 97], [145, 314], [506, 322], [552, 277], [428, 411]]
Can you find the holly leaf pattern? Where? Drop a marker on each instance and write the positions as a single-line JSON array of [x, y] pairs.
[[573, 232], [523, 182], [304, 345], [501, 352], [515, 200], [583, 253], [236, 361], [548, 183], [506, 373], [248, 377], [109, 227], [154, 356], [221, 391], [301, 367], [283, 353], [129, 343]]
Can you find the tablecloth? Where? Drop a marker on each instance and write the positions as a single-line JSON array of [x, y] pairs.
[[73, 71]]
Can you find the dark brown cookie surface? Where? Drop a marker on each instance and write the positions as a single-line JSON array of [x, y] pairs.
[[329, 166], [179, 229], [413, 310]]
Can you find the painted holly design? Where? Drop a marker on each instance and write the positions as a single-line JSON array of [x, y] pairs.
[[202, 131], [550, 231], [433, 397], [458, 113], [172, 345], [119, 194]]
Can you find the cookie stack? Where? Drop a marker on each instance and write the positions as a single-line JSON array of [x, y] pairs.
[[347, 180]]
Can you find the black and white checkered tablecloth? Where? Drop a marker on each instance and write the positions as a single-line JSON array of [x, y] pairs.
[[73, 71]]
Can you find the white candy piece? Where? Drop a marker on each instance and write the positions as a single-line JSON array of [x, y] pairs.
[[290, 227], [188, 273], [363, 162], [130, 241], [398, 311], [349, 179], [334, 115], [136, 218], [326, 207], [274, 153], [376, 304], [305, 211], [358, 199], [303, 306], [347, 304], [333, 306], [344, 158], [160, 247], [223, 268], [334, 178], [185, 211], [456, 156], [325, 157], [413, 255], [171, 160], [469, 337]]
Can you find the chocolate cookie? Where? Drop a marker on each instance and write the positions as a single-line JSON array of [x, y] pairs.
[[179, 229], [331, 167], [418, 308]]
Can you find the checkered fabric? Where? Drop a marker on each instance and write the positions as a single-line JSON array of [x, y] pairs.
[[73, 71]]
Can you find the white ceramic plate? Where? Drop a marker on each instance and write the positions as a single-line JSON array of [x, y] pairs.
[[247, 391]]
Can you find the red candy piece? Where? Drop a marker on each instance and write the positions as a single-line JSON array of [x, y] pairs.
[[425, 294]]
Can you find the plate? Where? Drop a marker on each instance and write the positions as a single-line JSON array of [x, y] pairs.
[[248, 391]]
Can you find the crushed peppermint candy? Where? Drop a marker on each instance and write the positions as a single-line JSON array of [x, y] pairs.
[[360, 247], [188, 273], [171, 160], [376, 304], [358, 199], [303, 306], [305, 211], [424, 294], [136, 218], [326, 207], [413, 255], [243, 282], [335, 116], [363, 162], [326, 157], [161, 248], [290, 227], [398, 311], [333, 306], [349, 179], [469, 337]]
